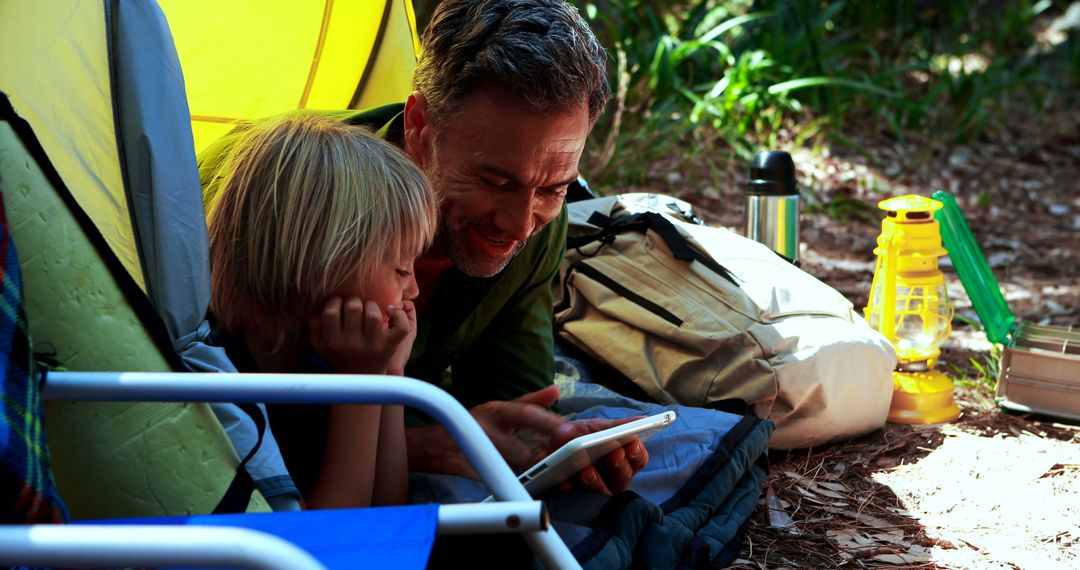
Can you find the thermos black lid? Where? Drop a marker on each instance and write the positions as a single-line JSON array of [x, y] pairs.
[[772, 173]]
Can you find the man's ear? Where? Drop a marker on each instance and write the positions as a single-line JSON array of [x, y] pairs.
[[418, 129]]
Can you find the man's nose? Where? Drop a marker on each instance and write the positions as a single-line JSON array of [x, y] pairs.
[[516, 214]]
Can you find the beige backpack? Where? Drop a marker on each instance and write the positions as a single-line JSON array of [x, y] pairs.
[[698, 315]]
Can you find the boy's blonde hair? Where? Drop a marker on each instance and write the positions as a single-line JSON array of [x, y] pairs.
[[301, 204]]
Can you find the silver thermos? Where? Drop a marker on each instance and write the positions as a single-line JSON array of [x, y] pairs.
[[772, 203]]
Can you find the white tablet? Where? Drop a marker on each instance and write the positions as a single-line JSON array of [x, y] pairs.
[[583, 451]]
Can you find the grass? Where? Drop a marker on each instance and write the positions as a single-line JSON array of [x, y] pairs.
[[981, 373], [982, 376]]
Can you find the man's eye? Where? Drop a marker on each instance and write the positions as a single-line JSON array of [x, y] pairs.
[[558, 192], [496, 183]]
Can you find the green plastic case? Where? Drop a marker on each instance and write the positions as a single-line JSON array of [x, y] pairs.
[[1040, 364], [974, 271]]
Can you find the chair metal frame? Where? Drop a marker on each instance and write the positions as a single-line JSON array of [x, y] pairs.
[[516, 510]]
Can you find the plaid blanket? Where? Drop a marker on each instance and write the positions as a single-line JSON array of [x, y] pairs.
[[27, 491]]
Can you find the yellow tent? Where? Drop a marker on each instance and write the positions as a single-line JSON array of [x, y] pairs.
[[324, 55]]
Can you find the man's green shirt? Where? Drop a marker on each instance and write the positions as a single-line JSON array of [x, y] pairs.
[[493, 334]]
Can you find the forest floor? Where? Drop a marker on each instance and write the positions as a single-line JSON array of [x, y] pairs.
[[989, 490]]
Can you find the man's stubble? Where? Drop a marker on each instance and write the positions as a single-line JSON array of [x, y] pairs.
[[451, 241]]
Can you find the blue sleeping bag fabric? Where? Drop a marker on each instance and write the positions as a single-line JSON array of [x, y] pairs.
[[688, 508]]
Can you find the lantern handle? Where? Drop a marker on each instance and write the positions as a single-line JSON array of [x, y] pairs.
[[890, 248]]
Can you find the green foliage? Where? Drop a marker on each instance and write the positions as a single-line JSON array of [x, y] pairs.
[[679, 77], [733, 77], [986, 370], [843, 208]]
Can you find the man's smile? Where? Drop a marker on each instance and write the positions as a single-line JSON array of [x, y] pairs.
[[495, 248]]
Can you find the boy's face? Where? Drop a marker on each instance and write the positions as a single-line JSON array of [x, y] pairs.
[[391, 284], [500, 173]]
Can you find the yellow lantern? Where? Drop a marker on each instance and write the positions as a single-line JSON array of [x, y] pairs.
[[909, 305]]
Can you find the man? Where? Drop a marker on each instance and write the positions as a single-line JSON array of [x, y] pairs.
[[506, 93], [505, 96]]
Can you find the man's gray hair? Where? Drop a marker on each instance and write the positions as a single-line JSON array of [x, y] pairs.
[[541, 52]]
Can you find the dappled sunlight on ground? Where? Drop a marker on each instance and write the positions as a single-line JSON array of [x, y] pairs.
[[996, 500], [990, 490]]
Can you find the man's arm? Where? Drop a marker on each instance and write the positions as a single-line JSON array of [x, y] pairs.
[[511, 357], [507, 377]]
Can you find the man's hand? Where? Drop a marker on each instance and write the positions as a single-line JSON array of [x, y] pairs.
[[524, 431], [613, 473], [520, 429]]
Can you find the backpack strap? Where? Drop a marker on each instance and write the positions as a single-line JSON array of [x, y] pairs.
[[238, 495], [642, 222]]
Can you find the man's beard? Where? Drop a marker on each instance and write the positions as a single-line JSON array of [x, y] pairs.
[[452, 241], [455, 246]]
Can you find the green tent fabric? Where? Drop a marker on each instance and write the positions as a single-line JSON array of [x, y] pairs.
[[109, 459]]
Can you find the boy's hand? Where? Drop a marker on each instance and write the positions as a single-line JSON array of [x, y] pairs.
[[404, 350], [354, 336]]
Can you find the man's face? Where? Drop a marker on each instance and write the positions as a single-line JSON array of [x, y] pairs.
[[501, 174]]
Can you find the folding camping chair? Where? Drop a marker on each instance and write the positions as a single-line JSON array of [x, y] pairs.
[[98, 174]]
